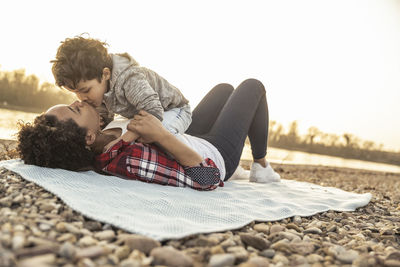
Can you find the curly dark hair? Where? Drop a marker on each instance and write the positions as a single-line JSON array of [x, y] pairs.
[[80, 59], [49, 142]]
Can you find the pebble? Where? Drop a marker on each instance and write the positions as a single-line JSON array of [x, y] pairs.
[[279, 258], [107, 235], [18, 241], [92, 225], [72, 228], [60, 227], [48, 207], [141, 243], [130, 263], [86, 262], [343, 255], [6, 202], [394, 255], [241, 254], [228, 243], [45, 227], [202, 241], [392, 263], [314, 258], [7, 258], [113, 259], [87, 241], [303, 248], [261, 227], [67, 237], [122, 252], [18, 199], [365, 261], [140, 256], [38, 261], [68, 251], [297, 260], [331, 228], [85, 232], [268, 253], [217, 250], [37, 250], [297, 220], [221, 260], [275, 228], [169, 256], [312, 230], [255, 241], [19, 228], [289, 236], [293, 226], [90, 252], [282, 245], [387, 231], [256, 262], [217, 237]]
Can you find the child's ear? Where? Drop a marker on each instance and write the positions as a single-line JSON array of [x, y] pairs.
[[106, 74], [90, 137]]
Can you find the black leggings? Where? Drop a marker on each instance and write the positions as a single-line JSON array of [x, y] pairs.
[[225, 117]]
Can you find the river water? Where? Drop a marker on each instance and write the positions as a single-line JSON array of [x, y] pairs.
[[283, 156], [8, 128], [9, 119]]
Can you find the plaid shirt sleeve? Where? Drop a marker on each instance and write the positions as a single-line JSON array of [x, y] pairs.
[[148, 163]]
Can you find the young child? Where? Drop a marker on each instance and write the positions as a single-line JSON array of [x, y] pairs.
[[116, 83]]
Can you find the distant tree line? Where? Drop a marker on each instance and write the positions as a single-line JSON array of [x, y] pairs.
[[26, 93], [315, 141]]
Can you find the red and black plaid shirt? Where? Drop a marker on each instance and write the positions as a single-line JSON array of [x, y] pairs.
[[148, 163]]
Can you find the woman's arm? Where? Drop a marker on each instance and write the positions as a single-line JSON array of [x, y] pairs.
[[150, 130], [185, 155]]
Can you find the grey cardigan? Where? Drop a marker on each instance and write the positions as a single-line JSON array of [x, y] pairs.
[[133, 87]]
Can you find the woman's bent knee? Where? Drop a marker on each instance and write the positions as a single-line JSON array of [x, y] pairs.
[[254, 84], [225, 87]]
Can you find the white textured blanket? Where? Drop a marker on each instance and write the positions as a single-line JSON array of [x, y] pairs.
[[166, 212]]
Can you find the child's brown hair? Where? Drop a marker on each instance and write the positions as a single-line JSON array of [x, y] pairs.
[[80, 59]]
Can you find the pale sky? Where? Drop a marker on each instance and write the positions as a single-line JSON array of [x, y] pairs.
[[330, 64]]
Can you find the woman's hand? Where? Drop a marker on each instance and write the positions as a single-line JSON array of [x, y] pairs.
[[148, 127], [151, 130]]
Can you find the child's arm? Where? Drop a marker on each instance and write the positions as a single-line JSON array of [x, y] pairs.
[[180, 151], [142, 96], [129, 137], [152, 131]]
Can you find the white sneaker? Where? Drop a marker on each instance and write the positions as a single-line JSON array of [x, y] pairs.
[[240, 173], [259, 174]]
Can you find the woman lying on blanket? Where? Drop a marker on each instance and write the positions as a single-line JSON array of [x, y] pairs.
[[69, 137]]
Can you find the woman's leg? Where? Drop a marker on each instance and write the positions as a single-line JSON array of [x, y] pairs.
[[207, 111], [245, 113]]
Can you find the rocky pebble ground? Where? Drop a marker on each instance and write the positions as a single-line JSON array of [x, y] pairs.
[[38, 229]]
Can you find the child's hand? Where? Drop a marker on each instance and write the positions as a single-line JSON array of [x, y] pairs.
[[148, 127]]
